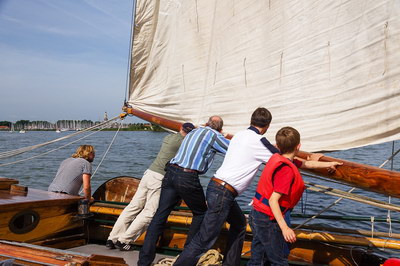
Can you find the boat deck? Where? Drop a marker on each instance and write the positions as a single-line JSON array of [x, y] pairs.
[[12, 195], [130, 257]]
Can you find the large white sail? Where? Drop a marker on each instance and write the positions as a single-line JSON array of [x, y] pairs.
[[329, 68]]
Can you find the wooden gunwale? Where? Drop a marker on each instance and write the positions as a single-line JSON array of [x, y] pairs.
[[178, 209], [34, 198], [360, 175], [5, 183]]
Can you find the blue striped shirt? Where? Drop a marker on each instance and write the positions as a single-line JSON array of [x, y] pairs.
[[198, 149]]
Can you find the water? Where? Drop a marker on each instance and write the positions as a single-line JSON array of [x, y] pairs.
[[133, 151]]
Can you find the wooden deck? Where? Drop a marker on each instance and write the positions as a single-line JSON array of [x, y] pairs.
[[27, 254], [130, 257], [11, 198], [11, 195]]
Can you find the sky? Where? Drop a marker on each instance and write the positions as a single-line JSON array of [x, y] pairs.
[[63, 60]]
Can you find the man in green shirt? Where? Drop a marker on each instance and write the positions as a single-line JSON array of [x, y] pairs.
[[137, 215]]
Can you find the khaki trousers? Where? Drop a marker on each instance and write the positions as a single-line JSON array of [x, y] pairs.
[[138, 214]]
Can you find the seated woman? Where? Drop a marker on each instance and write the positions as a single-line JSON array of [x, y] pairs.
[[75, 171]]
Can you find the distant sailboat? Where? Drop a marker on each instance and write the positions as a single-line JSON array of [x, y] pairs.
[[22, 131]]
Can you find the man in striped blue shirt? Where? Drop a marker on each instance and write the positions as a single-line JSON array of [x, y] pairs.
[[181, 181]]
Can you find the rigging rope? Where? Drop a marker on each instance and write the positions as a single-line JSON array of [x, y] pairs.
[[35, 156], [99, 127], [354, 197], [389, 220], [105, 154], [33, 147]]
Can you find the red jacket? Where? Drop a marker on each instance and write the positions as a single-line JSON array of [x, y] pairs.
[[265, 187]]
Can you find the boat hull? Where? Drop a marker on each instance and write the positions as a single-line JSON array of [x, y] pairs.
[[311, 247], [39, 217]]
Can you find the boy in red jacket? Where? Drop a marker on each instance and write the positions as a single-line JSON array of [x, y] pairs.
[[278, 191]]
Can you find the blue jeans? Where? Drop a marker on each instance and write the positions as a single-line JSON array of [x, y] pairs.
[[222, 207], [176, 185], [268, 244]]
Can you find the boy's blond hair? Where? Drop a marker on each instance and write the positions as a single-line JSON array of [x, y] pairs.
[[287, 139], [83, 152]]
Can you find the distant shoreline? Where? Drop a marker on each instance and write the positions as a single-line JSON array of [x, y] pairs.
[[105, 129], [74, 125]]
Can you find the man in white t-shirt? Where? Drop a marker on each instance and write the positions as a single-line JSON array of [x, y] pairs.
[[248, 149]]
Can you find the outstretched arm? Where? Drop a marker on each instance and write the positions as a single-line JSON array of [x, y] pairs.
[[316, 164], [221, 144], [312, 162]]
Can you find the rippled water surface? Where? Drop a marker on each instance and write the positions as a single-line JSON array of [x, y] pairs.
[[133, 151]]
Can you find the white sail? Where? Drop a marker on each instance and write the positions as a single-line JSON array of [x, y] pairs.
[[329, 68]]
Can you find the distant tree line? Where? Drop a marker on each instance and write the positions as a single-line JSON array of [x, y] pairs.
[[144, 127], [74, 125]]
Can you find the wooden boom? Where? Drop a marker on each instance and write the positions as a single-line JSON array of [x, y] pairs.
[[359, 175]]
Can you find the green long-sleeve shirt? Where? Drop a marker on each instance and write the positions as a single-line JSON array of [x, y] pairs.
[[169, 147]]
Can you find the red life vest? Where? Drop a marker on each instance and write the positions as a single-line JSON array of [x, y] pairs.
[[392, 262], [265, 186]]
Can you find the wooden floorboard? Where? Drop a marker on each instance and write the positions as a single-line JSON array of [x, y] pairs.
[[131, 257]]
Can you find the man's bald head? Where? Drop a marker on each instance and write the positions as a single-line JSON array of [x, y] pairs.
[[215, 122]]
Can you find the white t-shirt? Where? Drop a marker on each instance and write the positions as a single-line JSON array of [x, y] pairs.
[[246, 151]]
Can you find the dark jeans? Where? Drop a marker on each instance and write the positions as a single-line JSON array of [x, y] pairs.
[[176, 185], [268, 244], [222, 207]]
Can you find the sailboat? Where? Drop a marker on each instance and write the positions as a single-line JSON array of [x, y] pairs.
[[328, 68]]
